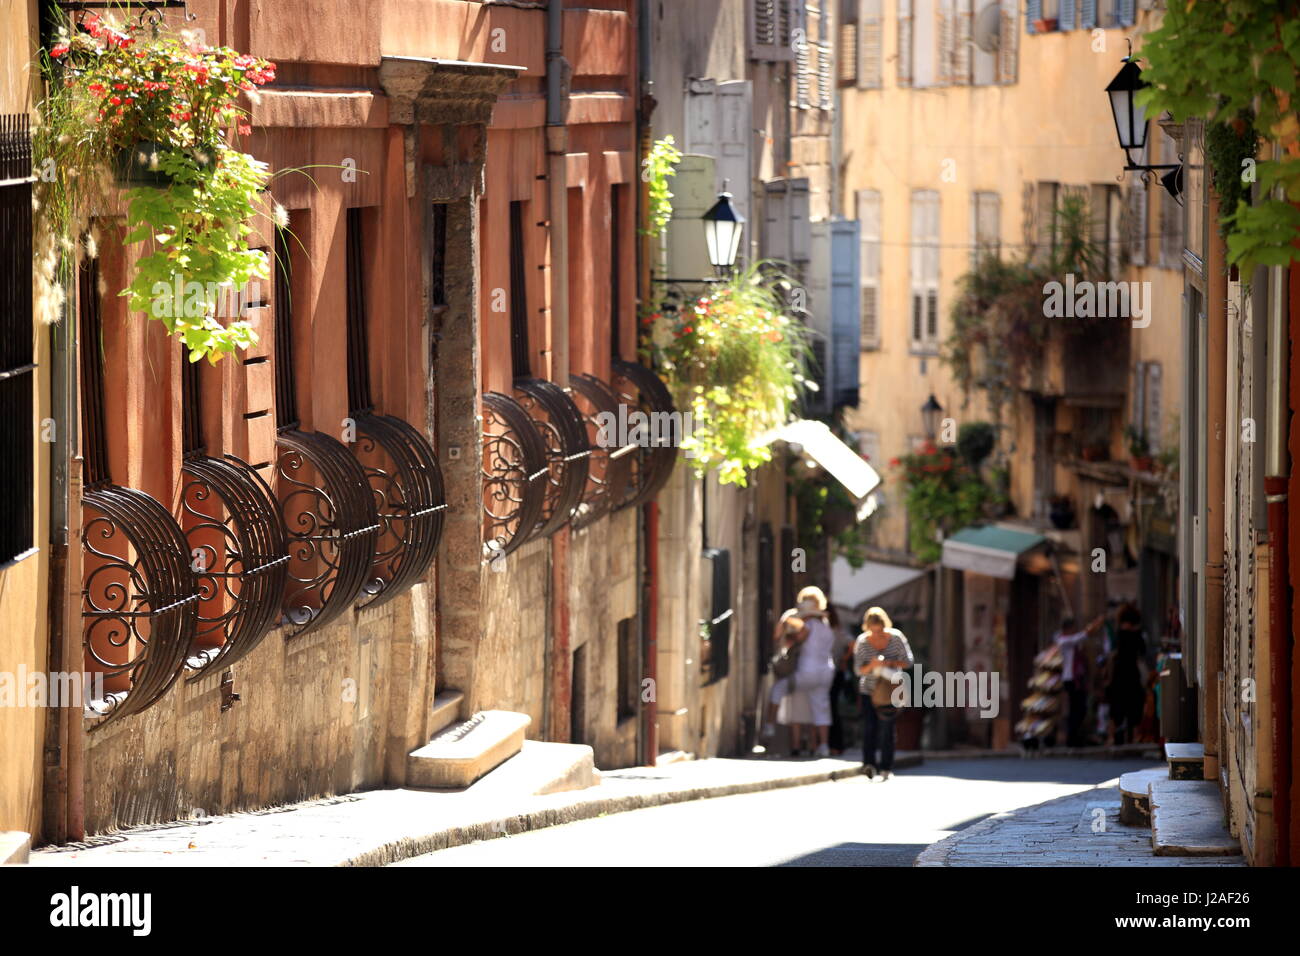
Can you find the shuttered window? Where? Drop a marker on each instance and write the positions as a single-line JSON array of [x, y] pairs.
[[825, 59], [868, 209], [1136, 224], [771, 25], [1127, 10], [1009, 44], [904, 42], [1104, 209], [925, 271], [870, 45], [17, 479], [848, 43], [986, 226], [805, 51], [1171, 214]]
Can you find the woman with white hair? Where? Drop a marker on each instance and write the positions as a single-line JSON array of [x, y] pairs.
[[808, 704]]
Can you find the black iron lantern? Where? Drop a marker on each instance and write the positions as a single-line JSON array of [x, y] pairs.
[[1131, 126], [723, 224], [930, 413]]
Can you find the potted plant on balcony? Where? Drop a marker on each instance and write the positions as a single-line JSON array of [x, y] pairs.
[[155, 111], [735, 360], [1139, 449], [1060, 512]]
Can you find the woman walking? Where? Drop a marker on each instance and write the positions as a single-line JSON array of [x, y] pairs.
[[806, 709], [879, 646], [1126, 693]]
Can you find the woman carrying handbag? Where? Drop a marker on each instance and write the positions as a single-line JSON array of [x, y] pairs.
[[880, 649]]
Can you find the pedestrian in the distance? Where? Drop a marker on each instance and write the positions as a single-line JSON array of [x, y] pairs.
[[1074, 673], [1126, 693], [879, 650], [842, 655], [807, 708]]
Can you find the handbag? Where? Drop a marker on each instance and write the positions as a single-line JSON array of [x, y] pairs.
[[786, 660]]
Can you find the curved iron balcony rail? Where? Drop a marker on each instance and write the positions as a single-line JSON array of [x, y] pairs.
[[611, 457], [652, 464], [406, 482], [238, 555], [332, 526], [561, 428], [139, 597], [515, 471]]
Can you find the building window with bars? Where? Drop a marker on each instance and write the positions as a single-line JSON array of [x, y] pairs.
[[924, 314], [17, 476]]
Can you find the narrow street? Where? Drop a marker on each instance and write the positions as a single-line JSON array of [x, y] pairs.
[[852, 822]]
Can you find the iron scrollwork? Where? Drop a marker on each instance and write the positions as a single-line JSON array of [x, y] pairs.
[[406, 482], [139, 600], [515, 472], [332, 526], [652, 464], [611, 456], [563, 433], [239, 558]]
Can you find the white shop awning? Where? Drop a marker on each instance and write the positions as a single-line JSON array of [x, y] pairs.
[[852, 587], [818, 443]]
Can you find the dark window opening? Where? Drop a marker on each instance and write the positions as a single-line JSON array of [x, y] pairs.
[[358, 345], [17, 477], [286, 401], [628, 669], [615, 268], [518, 294], [438, 267]]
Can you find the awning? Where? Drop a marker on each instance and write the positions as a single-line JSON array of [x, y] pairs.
[[988, 549], [817, 443], [851, 587]]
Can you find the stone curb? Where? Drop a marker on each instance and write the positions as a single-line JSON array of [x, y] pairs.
[[937, 853], [541, 818]]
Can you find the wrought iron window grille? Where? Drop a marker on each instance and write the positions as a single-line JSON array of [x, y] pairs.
[[400, 464], [329, 515], [515, 475], [563, 432], [236, 543], [139, 595], [641, 389], [611, 458]]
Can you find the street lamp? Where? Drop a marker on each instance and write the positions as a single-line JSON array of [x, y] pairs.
[[1131, 125], [930, 413], [722, 228]]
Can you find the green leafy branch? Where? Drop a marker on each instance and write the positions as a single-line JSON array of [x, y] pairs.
[[655, 170]]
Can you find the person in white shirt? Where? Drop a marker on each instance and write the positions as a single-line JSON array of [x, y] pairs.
[[807, 707], [1074, 673]]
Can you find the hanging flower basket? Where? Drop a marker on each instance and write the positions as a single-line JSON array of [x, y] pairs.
[[140, 165]]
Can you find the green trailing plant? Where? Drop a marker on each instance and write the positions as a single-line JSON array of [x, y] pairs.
[[942, 494], [656, 168], [975, 442], [998, 319], [1219, 61], [826, 515], [735, 360], [1230, 149], [157, 107]]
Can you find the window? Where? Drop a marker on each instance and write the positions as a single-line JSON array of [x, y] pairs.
[[1046, 195], [1136, 226], [1104, 209], [518, 292], [1044, 14], [1146, 407], [954, 42], [986, 226], [825, 59], [925, 271], [1171, 213], [771, 25], [629, 685], [868, 203], [870, 53], [16, 366], [904, 42], [848, 43]]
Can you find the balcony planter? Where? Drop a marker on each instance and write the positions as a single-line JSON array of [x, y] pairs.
[[1047, 25]]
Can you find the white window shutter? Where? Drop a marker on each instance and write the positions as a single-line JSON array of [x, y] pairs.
[[694, 191], [817, 280], [904, 42], [947, 28], [925, 42], [800, 220], [718, 124], [868, 209], [846, 317], [870, 45], [1008, 44], [803, 56], [961, 56]]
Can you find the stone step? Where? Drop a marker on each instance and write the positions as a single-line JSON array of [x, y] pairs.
[[1135, 795], [463, 752], [15, 846], [540, 767], [446, 710], [1187, 820], [1186, 761]]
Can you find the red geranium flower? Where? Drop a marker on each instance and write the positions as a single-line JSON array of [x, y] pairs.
[[59, 50]]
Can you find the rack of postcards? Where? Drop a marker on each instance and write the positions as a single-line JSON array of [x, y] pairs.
[[1042, 708]]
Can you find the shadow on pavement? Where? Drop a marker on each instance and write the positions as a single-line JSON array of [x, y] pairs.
[[1045, 770], [860, 854]]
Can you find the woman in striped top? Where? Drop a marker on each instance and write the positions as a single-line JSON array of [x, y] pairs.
[[880, 645]]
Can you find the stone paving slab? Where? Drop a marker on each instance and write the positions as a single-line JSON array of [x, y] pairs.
[[1187, 819], [378, 827], [1081, 829]]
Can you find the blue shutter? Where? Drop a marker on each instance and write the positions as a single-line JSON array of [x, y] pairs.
[[1066, 15], [846, 315], [1089, 14], [1127, 12], [1033, 11]]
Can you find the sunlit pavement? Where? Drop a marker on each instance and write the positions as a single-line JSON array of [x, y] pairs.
[[851, 822]]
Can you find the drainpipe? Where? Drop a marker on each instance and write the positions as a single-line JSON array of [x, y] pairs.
[[559, 673], [1216, 318], [1276, 478]]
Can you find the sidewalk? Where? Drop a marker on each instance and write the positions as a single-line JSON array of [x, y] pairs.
[[1063, 832], [378, 827]]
